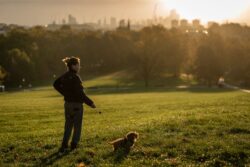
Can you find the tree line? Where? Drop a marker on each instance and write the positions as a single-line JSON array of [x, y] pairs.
[[34, 55]]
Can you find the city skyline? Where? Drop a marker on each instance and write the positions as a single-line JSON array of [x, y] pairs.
[[38, 12]]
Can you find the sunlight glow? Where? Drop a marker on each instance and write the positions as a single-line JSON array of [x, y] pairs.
[[218, 10]]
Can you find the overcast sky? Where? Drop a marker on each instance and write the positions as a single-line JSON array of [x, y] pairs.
[[32, 12]]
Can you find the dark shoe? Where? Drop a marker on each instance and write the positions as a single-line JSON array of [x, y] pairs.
[[73, 146], [63, 147]]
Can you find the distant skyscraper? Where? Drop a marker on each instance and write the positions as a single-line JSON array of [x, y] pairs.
[[122, 23], [71, 20], [99, 22], [184, 23], [211, 23], [105, 22], [128, 26], [113, 22], [63, 21], [196, 23], [174, 23], [174, 15]]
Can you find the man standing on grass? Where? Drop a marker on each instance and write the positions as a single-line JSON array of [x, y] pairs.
[[70, 86]]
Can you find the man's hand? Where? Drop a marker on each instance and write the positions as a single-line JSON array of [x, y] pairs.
[[93, 105]]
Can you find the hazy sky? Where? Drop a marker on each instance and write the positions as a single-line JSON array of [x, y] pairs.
[[30, 12]]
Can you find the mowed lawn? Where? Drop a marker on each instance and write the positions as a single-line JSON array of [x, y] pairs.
[[177, 127]]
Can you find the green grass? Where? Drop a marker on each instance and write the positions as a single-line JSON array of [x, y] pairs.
[[177, 127], [126, 79]]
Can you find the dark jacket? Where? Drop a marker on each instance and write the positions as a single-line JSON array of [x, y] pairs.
[[70, 86]]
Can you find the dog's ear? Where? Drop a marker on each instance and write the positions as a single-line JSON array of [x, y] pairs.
[[137, 135], [131, 136]]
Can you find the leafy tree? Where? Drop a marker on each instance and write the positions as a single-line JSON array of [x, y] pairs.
[[207, 65], [19, 66]]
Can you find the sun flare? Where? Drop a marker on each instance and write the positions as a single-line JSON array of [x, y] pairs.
[[221, 10]]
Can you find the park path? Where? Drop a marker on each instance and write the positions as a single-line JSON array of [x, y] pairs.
[[237, 88]]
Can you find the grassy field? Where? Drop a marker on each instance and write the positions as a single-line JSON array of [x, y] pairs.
[[177, 127]]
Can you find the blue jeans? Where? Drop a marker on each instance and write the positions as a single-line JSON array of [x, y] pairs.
[[73, 119]]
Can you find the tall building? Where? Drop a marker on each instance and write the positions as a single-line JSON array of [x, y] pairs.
[[196, 23], [71, 20], [63, 21], [211, 23], [128, 25], [122, 23], [174, 24], [104, 22], [174, 15], [113, 22], [184, 23], [99, 22]]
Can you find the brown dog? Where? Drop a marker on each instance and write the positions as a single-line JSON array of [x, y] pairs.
[[126, 142]]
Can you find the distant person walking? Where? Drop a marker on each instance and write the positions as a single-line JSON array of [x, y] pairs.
[[221, 82], [70, 86]]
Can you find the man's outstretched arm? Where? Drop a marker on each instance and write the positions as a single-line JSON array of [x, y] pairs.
[[82, 95], [87, 100]]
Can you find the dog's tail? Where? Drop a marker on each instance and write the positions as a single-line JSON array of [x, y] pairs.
[[115, 141], [111, 142]]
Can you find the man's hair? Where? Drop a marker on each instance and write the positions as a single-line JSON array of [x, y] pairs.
[[69, 61]]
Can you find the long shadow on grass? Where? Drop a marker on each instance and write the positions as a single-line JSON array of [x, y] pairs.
[[52, 158], [118, 156]]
